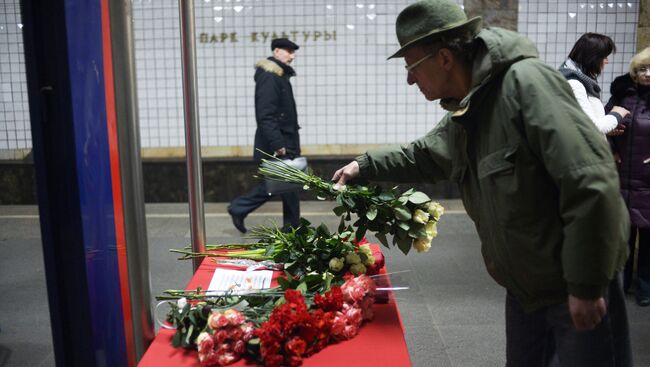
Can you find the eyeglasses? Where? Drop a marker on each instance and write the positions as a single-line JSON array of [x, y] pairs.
[[409, 68], [643, 70]]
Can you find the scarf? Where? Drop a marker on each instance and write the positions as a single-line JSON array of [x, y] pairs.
[[570, 70]]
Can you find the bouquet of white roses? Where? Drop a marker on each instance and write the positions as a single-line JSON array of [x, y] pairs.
[[411, 217]]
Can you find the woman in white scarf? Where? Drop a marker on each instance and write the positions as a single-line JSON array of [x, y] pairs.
[[586, 61]]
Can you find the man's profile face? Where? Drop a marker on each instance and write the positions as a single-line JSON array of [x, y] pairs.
[[284, 55], [426, 71]]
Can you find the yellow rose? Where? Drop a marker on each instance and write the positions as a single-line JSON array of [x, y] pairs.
[[336, 264], [352, 258], [422, 244], [420, 216], [435, 210], [432, 229], [369, 261], [365, 248], [357, 269]]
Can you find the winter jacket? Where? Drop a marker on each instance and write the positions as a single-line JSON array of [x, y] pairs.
[[275, 109], [587, 93], [633, 147], [536, 178]]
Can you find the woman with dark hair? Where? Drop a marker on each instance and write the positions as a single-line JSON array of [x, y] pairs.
[[585, 63], [632, 152]]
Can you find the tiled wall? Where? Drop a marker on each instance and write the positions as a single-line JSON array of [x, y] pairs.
[[555, 25], [347, 93], [14, 111]]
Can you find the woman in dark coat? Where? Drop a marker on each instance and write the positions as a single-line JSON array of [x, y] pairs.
[[632, 150]]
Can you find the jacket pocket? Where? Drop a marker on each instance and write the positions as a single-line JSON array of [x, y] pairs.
[[499, 162]]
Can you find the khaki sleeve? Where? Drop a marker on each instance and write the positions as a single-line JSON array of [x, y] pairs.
[[426, 159]]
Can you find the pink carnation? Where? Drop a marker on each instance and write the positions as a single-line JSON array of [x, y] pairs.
[[356, 288], [350, 331], [224, 342], [217, 320]]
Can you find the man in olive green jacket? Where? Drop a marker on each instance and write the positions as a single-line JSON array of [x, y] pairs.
[[535, 176]]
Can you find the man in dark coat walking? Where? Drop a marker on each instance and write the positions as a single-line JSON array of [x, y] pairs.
[[277, 130]]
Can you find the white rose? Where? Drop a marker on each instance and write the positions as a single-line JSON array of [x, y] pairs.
[[365, 248], [352, 258], [370, 260], [336, 264], [420, 216], [432, 229], [357, 269], [422, 244], [435, 210]]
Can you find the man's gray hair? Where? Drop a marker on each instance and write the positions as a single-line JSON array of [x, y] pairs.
[[461, 44]]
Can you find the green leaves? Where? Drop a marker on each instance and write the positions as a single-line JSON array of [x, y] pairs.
[[270, 249], [340, 210], [401, 213], [404, 244], [372, 213], [404, 226], [417, 231], [189, 323], [385, 212], [418, 198], [382, 238]]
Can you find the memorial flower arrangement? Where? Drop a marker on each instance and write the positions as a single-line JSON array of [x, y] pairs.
[[326, 293], [307, 253], [410, 217], [273, 329]]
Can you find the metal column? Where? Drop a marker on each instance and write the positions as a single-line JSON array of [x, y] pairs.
[[128, 131], [192, 131]]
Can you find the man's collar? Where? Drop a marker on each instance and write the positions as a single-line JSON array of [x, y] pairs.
[[288, 70]]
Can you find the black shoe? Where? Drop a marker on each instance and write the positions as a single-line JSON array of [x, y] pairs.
[[237, 221], [643, 301]]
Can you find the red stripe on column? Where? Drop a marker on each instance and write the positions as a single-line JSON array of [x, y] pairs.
[[114, 154]]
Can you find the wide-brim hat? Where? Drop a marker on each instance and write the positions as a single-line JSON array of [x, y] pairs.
[[430, 19]]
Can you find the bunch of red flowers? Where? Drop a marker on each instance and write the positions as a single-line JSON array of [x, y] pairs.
[[224, 341], [293, 332]]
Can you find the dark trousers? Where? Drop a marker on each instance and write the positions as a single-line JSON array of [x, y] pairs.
[[642, 262], [547, 337], [245, 204]]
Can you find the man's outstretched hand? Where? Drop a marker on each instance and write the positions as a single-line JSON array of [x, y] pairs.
[[345, 174], [281, 152]]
